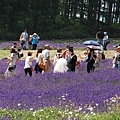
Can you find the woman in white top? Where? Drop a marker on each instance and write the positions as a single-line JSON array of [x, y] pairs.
[[39, 57], [60, 65], [28, 64], [11, 63]]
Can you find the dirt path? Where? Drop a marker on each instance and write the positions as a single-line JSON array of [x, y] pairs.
[[108, 53]]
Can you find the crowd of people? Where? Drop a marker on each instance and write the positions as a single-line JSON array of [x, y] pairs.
[[64, 61]]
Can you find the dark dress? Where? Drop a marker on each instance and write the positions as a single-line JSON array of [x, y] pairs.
[[71, 62], [90, 61]]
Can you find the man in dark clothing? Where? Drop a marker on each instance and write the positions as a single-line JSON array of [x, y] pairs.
[[100, 36], [71, 60]]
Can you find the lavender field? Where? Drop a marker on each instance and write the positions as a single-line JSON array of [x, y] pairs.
[[53, 44], [60, 90], [95, 92]]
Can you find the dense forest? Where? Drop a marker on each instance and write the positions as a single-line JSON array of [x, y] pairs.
[[59, 19]]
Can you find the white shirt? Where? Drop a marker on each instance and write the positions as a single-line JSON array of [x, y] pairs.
[[24, 36], [46, 54], [61, 66], [40, 56], [14, 58], [27, 63]]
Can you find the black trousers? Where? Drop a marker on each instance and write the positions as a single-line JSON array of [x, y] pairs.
[[28, 71], [90, 67], [37, 68], [34, 46]]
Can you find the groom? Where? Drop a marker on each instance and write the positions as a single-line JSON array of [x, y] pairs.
[[71, 60]]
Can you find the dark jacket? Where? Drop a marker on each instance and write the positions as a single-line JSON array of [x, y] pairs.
[[71, 62]]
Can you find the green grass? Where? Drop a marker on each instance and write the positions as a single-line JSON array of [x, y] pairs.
[[56, 114]]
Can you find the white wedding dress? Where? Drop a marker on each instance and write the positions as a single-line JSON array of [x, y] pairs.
[[61, 66]]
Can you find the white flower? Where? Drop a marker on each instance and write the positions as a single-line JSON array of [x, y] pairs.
[[80, 108], [70, 112], [31, 109], [34, 113], [19, 104], [90, 108], [113, 100], [96, 104]]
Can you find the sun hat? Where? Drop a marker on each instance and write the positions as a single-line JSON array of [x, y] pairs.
[[34, 34], [47, 45], [118, 47]]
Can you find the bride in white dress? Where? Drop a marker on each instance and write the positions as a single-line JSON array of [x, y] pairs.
[[60, 64]]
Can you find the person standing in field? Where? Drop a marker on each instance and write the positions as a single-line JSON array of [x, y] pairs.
[[30, 42], [59, 51], [90, 61], [116, 60], [35, 40], [13, 59], [60, 64], [100, 36], [106, 41], [28, 64], [39, 57], [24, 38], [71, 60], [46, 57], [65, 54]]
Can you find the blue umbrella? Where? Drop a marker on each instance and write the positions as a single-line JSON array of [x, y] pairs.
[[91, 42]]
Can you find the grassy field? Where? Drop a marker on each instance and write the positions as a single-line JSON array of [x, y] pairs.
[[55, 114]]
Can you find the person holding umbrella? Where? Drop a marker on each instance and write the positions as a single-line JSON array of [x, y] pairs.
[[91, 60]]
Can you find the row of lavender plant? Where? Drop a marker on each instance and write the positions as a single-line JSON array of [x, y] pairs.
[[7, 45], [74, 90]]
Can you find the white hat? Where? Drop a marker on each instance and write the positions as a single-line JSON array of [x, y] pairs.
[[105, 33], [118, 47], [34, 34]]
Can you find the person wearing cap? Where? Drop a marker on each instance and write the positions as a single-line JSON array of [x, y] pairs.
[[116, 59], [100, 36], [46, 57], [35, 39], [24, 38], [105, 41], [28, 64], [72, 58]]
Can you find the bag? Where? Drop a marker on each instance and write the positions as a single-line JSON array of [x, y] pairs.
[[31, 68], [41, 65], [96, 65], [77, 63]]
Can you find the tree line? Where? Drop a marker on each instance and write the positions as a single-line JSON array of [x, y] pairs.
[[58, 19]]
